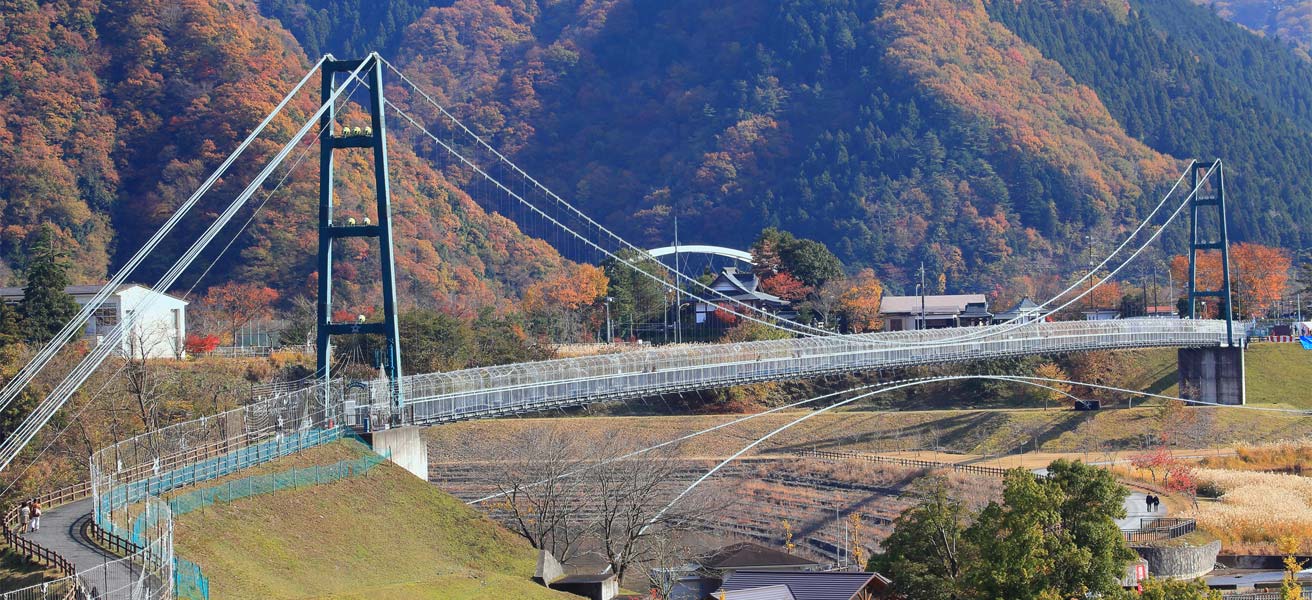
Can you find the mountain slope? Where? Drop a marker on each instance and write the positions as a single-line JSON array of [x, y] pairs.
[[829, 118], [116, 111], [1192, 85], [1288, 20]]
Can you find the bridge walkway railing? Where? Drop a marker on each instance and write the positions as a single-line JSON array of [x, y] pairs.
[[526, 387]]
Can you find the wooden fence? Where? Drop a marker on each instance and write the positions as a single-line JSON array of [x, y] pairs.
[[36, 553], [905, 462]]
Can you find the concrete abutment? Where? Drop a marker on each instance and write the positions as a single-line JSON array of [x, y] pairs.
[[1213, 374], [404, 446]]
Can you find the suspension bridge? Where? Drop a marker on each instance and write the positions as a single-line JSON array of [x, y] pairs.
[[120, 507]]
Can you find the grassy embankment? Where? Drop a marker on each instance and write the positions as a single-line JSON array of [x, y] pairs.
[[17, 573], [383, 535]]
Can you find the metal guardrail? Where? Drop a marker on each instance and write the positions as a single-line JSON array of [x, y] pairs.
[[528, 387], [1156, 529]]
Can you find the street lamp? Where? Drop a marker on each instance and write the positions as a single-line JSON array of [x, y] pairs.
[[610, 336]]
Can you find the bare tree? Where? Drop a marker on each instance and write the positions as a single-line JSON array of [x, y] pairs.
[[540, 499], [637, 507], [827, 300], [665, 565]]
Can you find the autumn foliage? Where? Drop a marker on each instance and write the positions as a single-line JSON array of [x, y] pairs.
[[1258, 275], [860, 302], [197, 344], [234, 305]]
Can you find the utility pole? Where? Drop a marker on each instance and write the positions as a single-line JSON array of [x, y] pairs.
[[1088, 251], [678, 284], [923, 324], [610, 335]]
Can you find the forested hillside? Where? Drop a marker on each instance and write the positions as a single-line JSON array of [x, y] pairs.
[[1287, 20], [987, 139], [812, 116], [114, 112], [995, 141], [1189, 84]]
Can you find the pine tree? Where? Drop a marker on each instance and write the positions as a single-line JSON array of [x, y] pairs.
[[9, 325], [45, 307]]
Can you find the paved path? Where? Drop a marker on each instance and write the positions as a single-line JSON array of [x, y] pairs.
[[61, 531], [1136, 508]]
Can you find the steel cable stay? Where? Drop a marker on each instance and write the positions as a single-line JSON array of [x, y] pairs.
[[38, 362], [742, 419], [47, 408], [982, 333], [53, 439], [895, 385], [985, 332]]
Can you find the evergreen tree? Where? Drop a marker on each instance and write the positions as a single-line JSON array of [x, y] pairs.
[[9, 325], [927, 554], [45, 307]]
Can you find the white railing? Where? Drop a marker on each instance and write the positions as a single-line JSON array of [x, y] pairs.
[[526, 387]]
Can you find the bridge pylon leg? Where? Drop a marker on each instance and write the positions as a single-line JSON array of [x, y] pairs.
[[372, 138]]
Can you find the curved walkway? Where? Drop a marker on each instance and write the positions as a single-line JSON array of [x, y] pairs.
[[1136, 509], [62, 531]]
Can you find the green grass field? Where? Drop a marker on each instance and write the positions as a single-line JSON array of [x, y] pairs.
[[384, 535], [1279, 375]]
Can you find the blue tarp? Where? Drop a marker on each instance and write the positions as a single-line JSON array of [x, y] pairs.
[[1306, 340]]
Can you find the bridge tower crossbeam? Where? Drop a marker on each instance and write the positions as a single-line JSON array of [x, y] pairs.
[[329, 230]]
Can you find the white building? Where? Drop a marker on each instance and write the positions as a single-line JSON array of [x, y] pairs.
[[159, 333]]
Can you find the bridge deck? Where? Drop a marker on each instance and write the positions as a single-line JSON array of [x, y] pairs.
[[529, 387]]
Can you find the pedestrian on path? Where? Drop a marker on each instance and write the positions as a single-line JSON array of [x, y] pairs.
[[36, 515], [1148, 503], [25, 515]]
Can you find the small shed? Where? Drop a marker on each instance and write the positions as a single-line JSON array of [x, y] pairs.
[[601, 586]]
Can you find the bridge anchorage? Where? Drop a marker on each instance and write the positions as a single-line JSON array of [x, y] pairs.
[[1213, 374]]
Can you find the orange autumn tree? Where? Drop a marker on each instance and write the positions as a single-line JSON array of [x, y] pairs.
[[1106, 295], [1258, 276], [784, 285], [236, 304], [559, 304], [859, 304]]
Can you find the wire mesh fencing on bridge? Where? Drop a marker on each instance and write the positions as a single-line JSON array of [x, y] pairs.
[[527, 387]]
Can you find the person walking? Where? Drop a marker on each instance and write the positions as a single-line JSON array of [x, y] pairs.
[[36, 515], [25, 515]]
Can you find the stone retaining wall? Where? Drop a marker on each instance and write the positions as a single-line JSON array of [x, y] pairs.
[[1184, 562]]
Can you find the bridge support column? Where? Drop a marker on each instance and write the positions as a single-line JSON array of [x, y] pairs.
[[404, 446], [1213, 374]]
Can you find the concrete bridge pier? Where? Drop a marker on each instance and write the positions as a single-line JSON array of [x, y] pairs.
[[406, 447], [1213, 374]]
